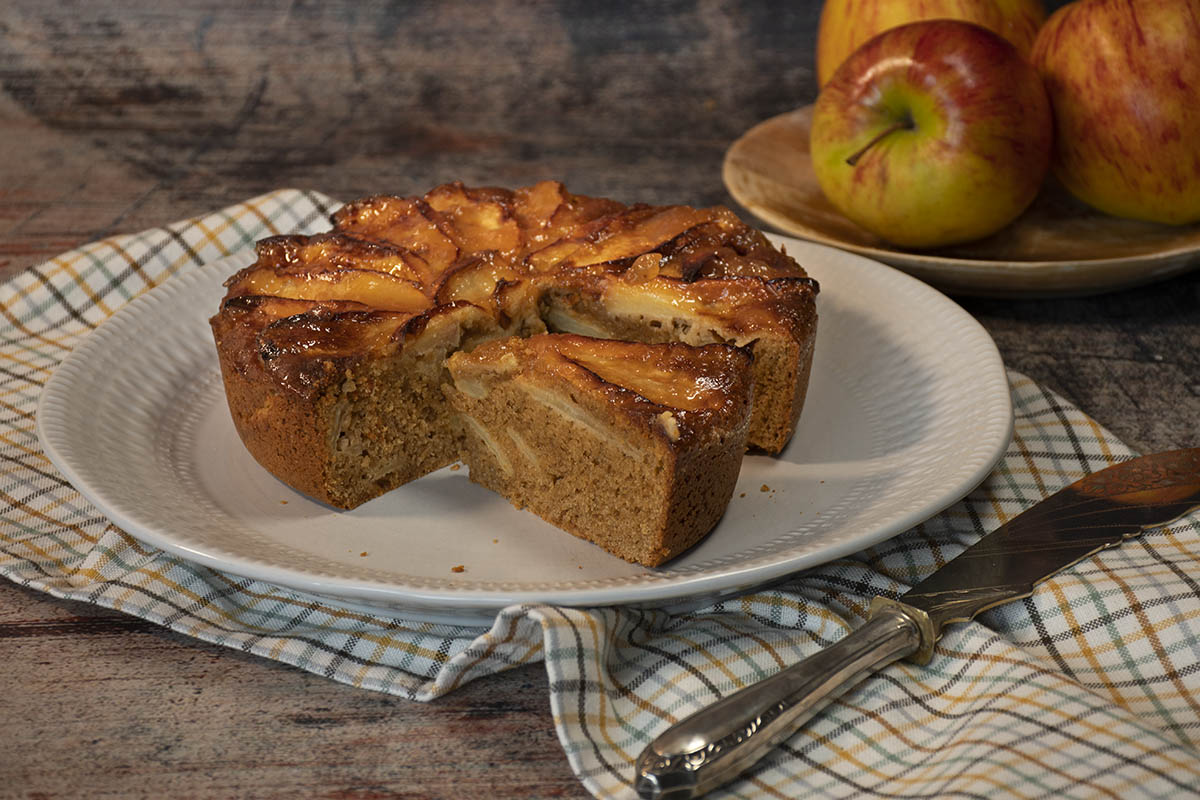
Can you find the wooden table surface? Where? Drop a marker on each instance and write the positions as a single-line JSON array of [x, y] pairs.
[[118, 116]]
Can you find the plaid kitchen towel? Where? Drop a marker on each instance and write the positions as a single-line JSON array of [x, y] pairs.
[[1090, 688]]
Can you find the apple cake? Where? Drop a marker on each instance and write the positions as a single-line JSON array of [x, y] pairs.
[[635, 447], [333, 346]]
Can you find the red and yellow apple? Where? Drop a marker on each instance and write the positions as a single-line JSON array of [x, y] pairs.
[[932, 133], [846, 24], [1123, 77]]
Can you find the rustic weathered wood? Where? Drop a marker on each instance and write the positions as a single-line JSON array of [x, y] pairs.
[[118, 116], [98, 704]]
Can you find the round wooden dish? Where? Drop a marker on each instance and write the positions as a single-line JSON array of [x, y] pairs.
[[1058, 247]]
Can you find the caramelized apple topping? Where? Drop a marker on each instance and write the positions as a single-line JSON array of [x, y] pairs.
[[675, 376], [503, 251]]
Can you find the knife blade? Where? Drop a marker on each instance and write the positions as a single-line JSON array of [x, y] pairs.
[[718, 743]]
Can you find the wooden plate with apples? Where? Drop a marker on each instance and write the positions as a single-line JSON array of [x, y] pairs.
[[1059, 246]]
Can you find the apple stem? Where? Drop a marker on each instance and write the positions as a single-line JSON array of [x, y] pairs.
[[906, 124]]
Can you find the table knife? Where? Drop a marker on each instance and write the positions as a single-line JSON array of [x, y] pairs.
[[718, 743]]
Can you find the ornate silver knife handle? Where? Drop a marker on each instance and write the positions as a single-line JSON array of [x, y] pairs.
[[719, 742], [716, 744]]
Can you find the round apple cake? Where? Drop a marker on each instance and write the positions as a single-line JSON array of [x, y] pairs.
[[334, 347]]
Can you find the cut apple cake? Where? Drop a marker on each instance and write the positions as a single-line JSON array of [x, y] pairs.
[[333, 347], [635, 447]]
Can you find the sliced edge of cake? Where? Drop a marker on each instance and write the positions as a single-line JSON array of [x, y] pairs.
[[635, 447]]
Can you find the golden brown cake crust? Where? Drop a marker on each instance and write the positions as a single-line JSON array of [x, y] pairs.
[[293, 408], [286, 431], [317, 319]]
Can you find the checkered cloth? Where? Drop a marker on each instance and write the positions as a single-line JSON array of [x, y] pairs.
[[1091, 688]]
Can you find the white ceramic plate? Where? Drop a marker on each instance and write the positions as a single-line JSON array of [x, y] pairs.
[[908, 409]]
